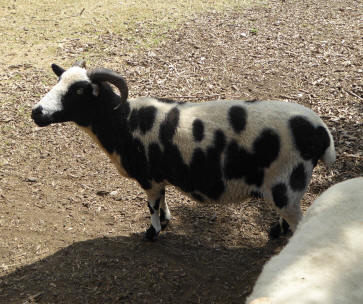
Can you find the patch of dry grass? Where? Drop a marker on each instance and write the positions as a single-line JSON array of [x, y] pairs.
[[36, 32]]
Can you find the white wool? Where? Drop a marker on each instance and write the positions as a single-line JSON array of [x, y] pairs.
[[322, 263]]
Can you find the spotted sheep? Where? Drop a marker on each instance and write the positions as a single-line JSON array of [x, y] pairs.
[[218, 151], [322, 263]]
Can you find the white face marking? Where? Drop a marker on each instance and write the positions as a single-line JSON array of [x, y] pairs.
[[51, 102]]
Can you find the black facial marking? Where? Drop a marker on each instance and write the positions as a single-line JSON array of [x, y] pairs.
[[279, 194], [162, 192], [237, 117], [76, 107], [198, 130], [298, 178], [150, 208], [311, 142]]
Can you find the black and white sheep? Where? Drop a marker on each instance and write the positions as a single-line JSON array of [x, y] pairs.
[[219, 151], [322, 263]]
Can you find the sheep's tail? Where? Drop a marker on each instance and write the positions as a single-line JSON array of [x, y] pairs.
[[329, 155]]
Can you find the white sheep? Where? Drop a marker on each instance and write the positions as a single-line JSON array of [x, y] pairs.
[[219, 151], [322, 263]]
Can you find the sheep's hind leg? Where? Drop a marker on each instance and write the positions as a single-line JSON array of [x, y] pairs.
[[287, 204], [155, 197], [282, 227]]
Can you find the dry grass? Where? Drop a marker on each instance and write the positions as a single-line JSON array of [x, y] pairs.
[[36, 32]]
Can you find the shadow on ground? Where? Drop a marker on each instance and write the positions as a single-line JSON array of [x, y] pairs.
[[130, 270]]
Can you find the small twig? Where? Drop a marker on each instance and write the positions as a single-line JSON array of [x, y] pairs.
[[35, 296], [307, 92], [352, 155], [353, 94], [67, 17], [286, 97]]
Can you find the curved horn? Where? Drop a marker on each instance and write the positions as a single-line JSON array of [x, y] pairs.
[[81, 63], [102, 74]]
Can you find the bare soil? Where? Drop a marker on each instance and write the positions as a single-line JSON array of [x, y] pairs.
[[71, 229]]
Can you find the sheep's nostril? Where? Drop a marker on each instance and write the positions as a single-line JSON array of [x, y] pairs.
[[37, 111]]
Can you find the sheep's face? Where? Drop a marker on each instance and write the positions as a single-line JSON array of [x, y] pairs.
[[70, 99]]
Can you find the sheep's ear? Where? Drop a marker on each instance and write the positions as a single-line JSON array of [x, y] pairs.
[[95, 89], [57, 69]]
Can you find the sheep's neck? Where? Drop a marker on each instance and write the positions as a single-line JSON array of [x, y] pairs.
[[109, 129]]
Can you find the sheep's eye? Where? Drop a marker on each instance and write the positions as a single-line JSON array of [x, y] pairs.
[[80, 91]]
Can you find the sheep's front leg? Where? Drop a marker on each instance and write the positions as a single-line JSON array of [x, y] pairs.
[[164, 212], [155, 198]]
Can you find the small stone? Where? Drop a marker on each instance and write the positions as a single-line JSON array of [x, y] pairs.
[[31, 179], [114, 193]]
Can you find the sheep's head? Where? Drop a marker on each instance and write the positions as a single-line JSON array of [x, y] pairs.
[[75, 95]]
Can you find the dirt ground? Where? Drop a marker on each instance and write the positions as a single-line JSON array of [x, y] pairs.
[[71, 229]]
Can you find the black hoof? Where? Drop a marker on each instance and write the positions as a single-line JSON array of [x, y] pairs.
[[151, 234], [275, 231], [164, 224], [279, 229]]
